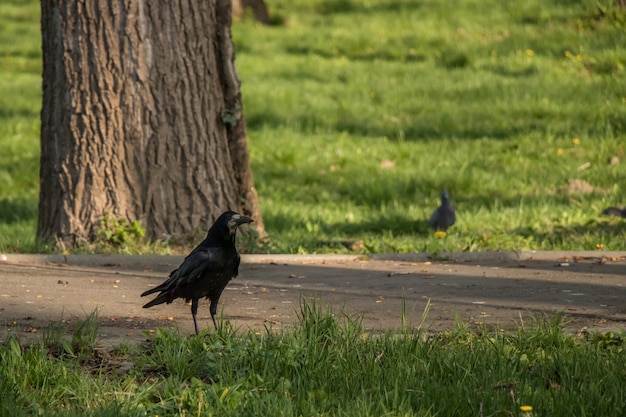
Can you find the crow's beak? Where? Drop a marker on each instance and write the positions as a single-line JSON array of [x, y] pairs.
[[243, 220]]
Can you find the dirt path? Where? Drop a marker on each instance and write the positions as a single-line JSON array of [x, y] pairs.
[[491, 288]]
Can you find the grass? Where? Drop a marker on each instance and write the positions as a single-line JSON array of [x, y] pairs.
[[20, 102], [360, 113], [326, 365]]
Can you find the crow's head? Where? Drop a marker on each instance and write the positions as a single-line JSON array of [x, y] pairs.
[[234, 220], [231, 220], [225, 227]]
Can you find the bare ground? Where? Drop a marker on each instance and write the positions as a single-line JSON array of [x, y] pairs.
[[498, 288]]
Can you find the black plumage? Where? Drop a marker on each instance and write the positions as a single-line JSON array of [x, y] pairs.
[[206, 271], [444, 216], [615, 211]]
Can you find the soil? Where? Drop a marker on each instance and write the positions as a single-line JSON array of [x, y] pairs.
[[499, 288]]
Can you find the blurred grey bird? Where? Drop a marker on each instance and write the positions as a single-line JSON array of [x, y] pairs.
[[444, 216], [615, 211], [206, 271]]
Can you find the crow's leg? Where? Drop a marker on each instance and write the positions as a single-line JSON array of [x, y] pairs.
[[215, 298], [194, 311], [213, 310]]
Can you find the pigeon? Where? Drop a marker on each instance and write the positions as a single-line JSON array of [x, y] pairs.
[[444, 216]]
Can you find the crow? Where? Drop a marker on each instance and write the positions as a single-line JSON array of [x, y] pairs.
[[444, 216], [206, 271]]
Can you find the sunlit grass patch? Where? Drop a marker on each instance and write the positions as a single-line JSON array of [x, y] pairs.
[[360, 113]]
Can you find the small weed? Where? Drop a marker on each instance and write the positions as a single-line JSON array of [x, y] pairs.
[[231, 115], [85, 335], [613, 341], [611, 12], [80, 346], [118, 232]]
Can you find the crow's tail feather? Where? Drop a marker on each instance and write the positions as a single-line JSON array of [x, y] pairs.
[[162, 298], [150, 291], [159, 288]]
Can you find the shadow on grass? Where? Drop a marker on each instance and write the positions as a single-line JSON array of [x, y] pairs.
[[441, 126], [332, 7], [17, 210], [392, 222], [560, 235], [399, 225], [13, 112], [357, 55]]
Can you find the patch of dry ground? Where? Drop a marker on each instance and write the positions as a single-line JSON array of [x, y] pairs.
[[506, 289]]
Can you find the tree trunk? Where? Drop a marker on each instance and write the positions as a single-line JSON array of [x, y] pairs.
[[142, 118]]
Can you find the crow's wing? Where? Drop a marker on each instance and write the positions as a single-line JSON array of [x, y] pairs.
[[200, 261], [197, 263], [237, 262]]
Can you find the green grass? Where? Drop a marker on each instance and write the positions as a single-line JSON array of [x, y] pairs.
[[326, 365], [20, 103], [360, 113]]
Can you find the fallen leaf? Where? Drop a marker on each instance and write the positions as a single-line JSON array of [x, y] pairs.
[[578, 186], [387, 164]]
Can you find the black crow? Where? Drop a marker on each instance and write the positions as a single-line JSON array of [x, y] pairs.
[[206, 271], [615, 211], [444, 216]]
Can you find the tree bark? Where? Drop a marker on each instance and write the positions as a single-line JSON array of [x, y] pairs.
[[142, 117]]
